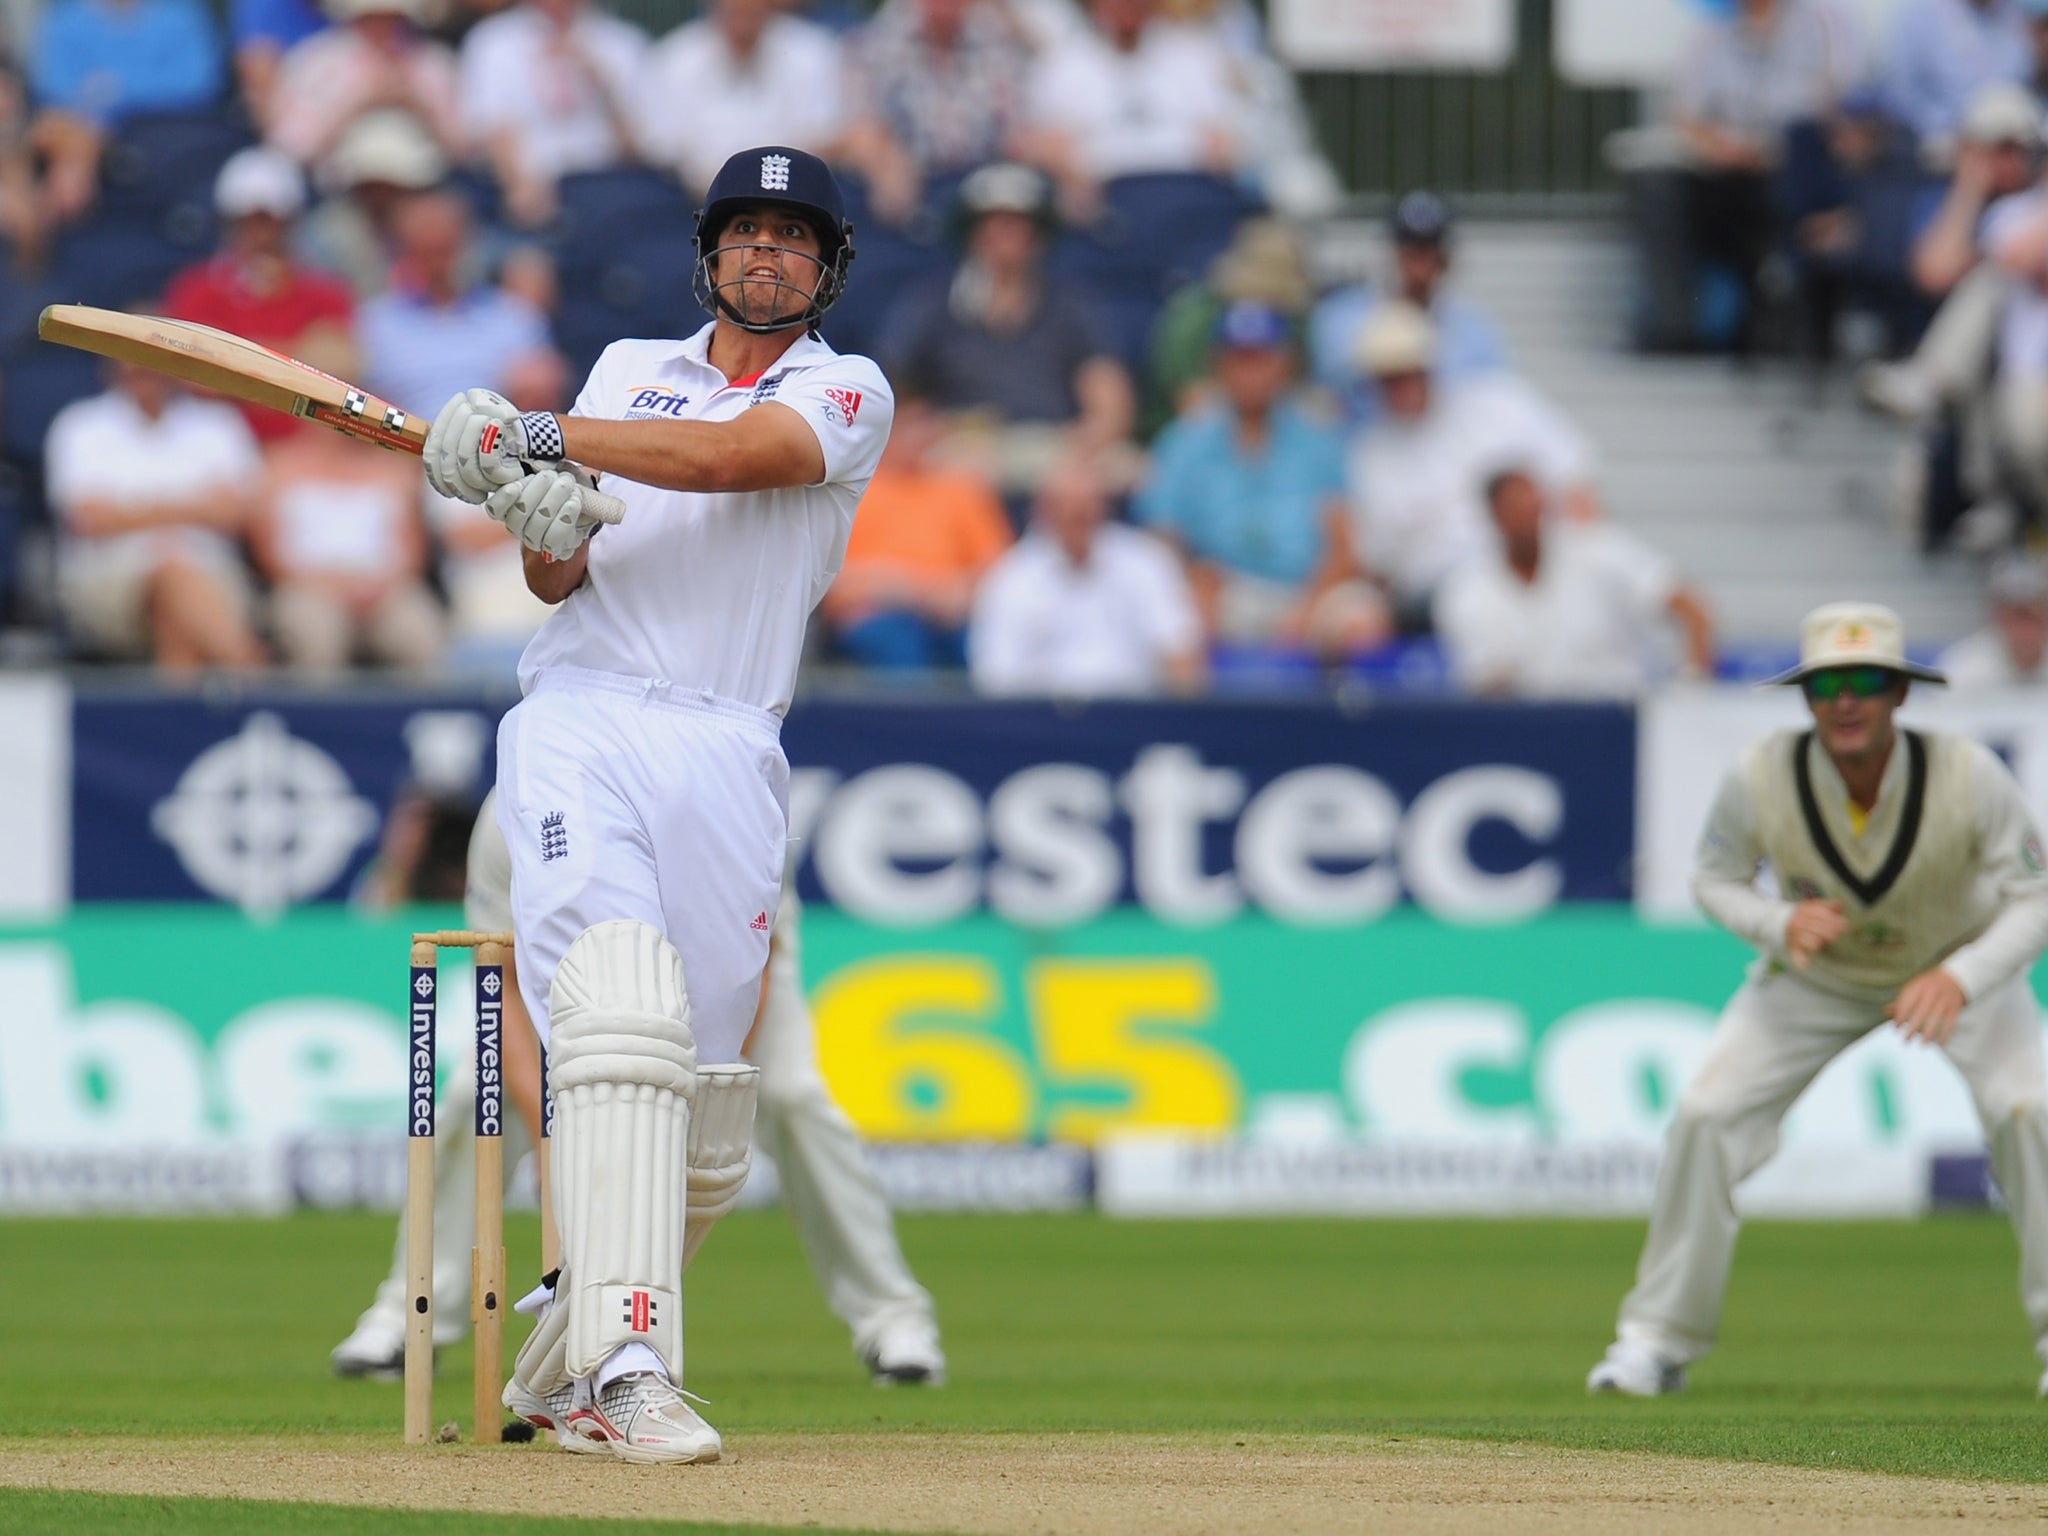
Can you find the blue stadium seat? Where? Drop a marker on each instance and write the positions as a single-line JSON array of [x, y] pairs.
[[887, 265], [13, 523], [1155, 233], [36, 383], [642, 289], [598, 206], [1125, 327], [114, 260], [162, 160]]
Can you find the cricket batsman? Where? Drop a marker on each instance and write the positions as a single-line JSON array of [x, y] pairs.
[[1911, 888], [841, 1214], [642, 788]]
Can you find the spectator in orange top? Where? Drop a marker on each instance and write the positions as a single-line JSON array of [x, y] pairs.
[[253, 288], [926, 535]]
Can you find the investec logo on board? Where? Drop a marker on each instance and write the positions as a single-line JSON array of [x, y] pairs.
[[489, 1074], [651, 401], [422, 1117]]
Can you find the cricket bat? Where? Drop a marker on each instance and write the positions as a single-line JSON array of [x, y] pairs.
[[241, 370]]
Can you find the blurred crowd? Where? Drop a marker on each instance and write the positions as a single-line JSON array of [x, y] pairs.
[[1875, 192], [1139, 448]]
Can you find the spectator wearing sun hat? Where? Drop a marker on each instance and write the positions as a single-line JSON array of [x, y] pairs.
[[253, 287], [1468, 343], [1249, 488], [376, 58], [1419, 469], [381, 160], [1002, 342], [1265, 264]]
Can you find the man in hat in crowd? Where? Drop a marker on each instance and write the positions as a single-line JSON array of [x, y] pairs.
[[254, 288], [1912, 889], [1468, 342], [1003, 342]]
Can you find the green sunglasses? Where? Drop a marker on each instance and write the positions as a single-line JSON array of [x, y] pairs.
[[1857, 682]]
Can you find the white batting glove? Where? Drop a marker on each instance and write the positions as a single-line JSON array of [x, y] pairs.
[[480, 442], [544, 511]]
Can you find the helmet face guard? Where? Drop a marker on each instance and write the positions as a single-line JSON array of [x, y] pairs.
[[777, 177], [805, 306]]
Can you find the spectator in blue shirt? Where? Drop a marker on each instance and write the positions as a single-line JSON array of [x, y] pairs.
[[1468, 342], [1251, 492], [98, 63], [437, 330], [1943, 52]]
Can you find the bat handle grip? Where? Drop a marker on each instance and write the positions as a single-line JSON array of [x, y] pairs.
[[604, 506]]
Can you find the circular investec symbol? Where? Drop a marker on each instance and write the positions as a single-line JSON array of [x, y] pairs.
[[425, 985], [264, 818], [492, 984]]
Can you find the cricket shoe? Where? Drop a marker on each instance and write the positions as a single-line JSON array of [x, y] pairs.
[[907, 1355], [376, 1349], [550, 1411], [1635, 1371], [642, 1417]]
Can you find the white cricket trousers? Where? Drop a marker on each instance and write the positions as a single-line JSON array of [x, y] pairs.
[[841, 1215], [1775, 1035], [628, 798]]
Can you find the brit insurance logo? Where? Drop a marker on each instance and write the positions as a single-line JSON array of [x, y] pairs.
[[653, 401], [264, 819]]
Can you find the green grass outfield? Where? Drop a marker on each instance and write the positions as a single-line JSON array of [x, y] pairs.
[[1894, 1347]]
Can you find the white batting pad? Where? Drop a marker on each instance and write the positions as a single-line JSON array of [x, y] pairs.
[[721, 1139], [623, 1066]]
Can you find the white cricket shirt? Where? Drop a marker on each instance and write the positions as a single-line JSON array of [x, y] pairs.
[[516, 76], [1586, 627], [1043, 625], [1418, 488], [708, 590]]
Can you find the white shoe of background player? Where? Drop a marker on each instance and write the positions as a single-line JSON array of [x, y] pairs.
[[551, 1413], [1636, 1371], [377, 1347], [642, 1417], [907, 1354]]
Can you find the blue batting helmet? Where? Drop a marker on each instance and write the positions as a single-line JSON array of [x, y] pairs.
[[784, 178]]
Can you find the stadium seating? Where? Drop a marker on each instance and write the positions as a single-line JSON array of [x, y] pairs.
[[1155, 234], [36, 382], [621, 247], [117, 259]]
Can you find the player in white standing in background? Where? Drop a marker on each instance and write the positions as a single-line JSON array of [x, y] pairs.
[[1913, 890], [641, 783], [840, 1211]]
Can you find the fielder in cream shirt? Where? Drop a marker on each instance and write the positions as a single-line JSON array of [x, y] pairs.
[[1915, 891]]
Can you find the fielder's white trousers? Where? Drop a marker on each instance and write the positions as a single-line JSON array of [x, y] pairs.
[[1775, 1035], [454, 1202], [841, 1215], [628, 798]]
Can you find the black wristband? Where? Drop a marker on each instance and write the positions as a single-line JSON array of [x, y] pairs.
[[543, 435]]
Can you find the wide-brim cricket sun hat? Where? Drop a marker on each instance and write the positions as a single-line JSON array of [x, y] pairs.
[[1854, 635]]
